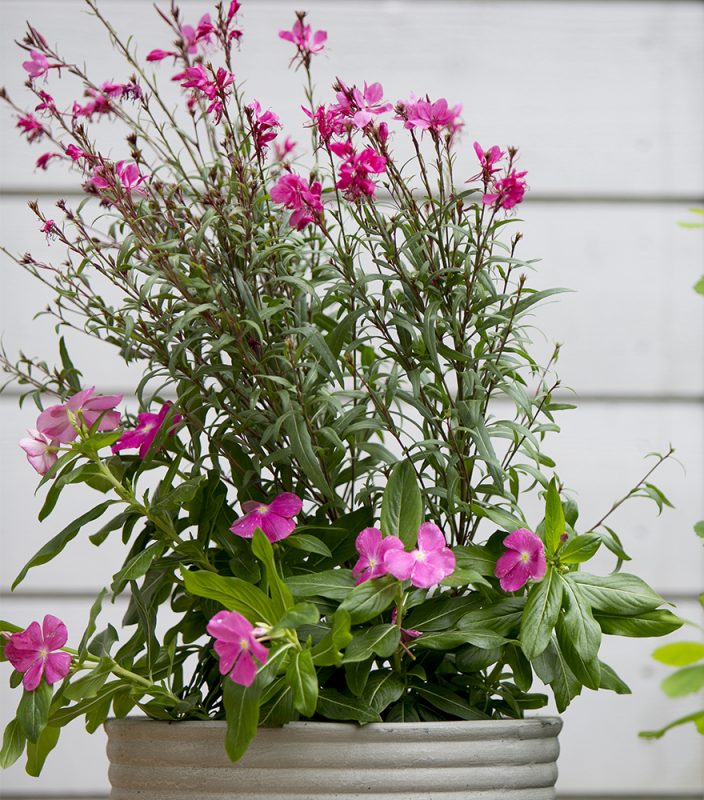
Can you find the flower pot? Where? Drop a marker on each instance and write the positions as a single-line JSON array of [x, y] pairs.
[[492, 760]]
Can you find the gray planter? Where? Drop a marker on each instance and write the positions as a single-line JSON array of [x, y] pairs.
[[494, 760]]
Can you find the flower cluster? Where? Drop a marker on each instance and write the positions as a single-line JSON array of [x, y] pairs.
[[296, 194]]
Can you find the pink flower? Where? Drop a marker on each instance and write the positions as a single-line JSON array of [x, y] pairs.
[[235, 644], [61, 423], [274, 520], [31, 126], [33, 652], [428, 116], [45, 158], [307, 43], [75, 153], [329, 121], [507, 192], [372, 547], [214, 89], [192, 37], [47, 103], [40, 450], [148, 427], [428, 564], [37, 66], [406, 633], [355, 171], [524, 559], [100, 104], [126, 174], [160, 55], [362, 106], [295, 194], [122, 91], [487, 158], [49, 229], [235, 6], [281, 151], [264, 126]]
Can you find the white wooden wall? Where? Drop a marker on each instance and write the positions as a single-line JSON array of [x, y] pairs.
[[606, 100]]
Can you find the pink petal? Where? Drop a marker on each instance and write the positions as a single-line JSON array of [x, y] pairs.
[[245, 526], [400, 564], [286, 504], [506, 562], [54, 423], [33, 676], [245, 670], [57, 667], [368, 542], [76, 401], [148, 440], [538, 565], [259, 650], [362, 118], [287, 35], [389, 543], [230, 626], [359, 568], [523, 540], [275, 527], [433, 568], [55, 633], [228, 653], [430, 537], [373, 93], [515, 578]]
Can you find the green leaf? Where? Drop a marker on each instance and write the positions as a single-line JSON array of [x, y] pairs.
[[308, 544], [448, 702], [586, 670], [684, 681], [697, 717], [303, 680], [302, 448], [484, 638], [300, 614], [13, 742], [242, 714], [370, 598], [552, 668], [540, 614], [54, 546], [611, 681], [402, 504], [619, 593], [503, 617], [33, 711], [137, 565], [337, 706], [37, 753], [90, 684], [699, 526], [232, 593], [383, 688], [554, 518], [652, 623], [280, 594], [499, 516], [580, 627], [580, 548], [475, 557], [699, 285], [679, 654], [335, 584], [464, 577], [440, 613], [381, 640], [327, 652], [176, 498]]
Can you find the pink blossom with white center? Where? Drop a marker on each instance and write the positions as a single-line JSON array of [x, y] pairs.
[[361, 106], [435, 117], [372, 547], [428, 564], [40, 450], [62, 422], [524, 559], [294, 193], [354, 173], [507, 192], [328, 120], [31, 126], [146, 431], [34, 652], [237, 646], [275, 520], [307, 43], [264, 126], [37, 65]]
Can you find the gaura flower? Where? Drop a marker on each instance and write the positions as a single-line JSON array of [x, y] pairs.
[[192, 37], [160, 55], [362, 105], [281, 151], [275, 520], [428, 564], [47, 103], [372, 547], [45, 158], [307, 43], [295, 194], [40, 450], [523, 559], [31, 126], [236, 644], [428, 116], [355, 171], [60, 422], [507, 192], [33, 652], [126, 174], [148, 427], [49, 229], [487, 159], [76, 153], [328, 120], [37, 65], [264, 126]]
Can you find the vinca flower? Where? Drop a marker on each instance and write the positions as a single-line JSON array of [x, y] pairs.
[[275, 520], [148, 427], [237, 646], [40, 450], [372, 547], [61, 422], [428, 564], [524, 559], [33, 652]]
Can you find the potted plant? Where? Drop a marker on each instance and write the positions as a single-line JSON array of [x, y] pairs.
[[328, 566]]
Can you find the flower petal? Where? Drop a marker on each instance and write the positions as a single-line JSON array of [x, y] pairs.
[[516, 577], [245, 526], [506, 562], [33, 676], [228, 652], [230, 626], [430, 538], [368, 542], [286, 504], [57, 667], [399, 563], [275, 527], [245, 670], [433, 568], [55, 633]]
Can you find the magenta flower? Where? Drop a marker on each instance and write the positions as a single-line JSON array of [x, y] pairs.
[[47, 103], [274, 520], [372, 547], [295, 194], [122, 91], [49, 229], [523, 559], [507, 192], [434, 117], [329, 121], [31, 126], [235, 6], [33, 652], [307, 43], [192, 37], [236, 644], [62, 422], [75, 153], [126, 174], [160, 55], [40, 450], [355, 171], [37, 66], [487, 159], [148, 427], [281, 151], [45, 158], [264, 126], [428, 564], [362, 106]]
